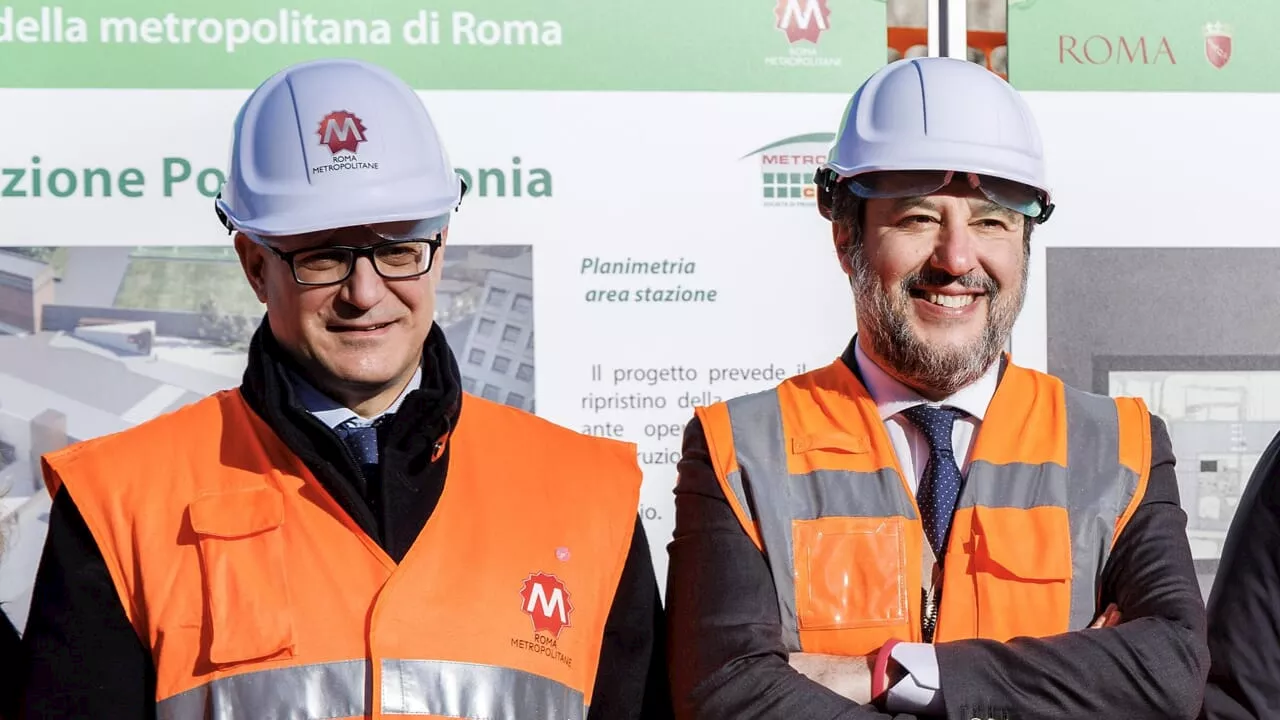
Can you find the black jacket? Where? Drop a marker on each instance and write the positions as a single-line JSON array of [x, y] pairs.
[[10, 668], [1244, 606], [1151, 667], [86, 660]]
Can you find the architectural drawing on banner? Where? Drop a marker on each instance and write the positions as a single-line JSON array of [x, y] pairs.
[[1206, 364], [1219, 422], [94, 340]]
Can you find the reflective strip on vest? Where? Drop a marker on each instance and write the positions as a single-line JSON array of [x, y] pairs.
[[462, 690], [1100, 489], [409, 687], [762, 466]]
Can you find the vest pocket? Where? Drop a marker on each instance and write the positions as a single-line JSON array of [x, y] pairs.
[[242, 560], [850, 572], [1022, 571]]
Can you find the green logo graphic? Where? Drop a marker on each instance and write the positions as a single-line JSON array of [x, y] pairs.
[[787, 167], [787, 186]]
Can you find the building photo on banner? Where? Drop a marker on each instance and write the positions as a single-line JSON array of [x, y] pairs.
[[1143, 284]]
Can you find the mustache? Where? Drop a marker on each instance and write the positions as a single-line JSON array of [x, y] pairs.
[[934, 277]]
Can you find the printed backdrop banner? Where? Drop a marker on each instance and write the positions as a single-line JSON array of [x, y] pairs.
[[1137, 45], [640, 203]]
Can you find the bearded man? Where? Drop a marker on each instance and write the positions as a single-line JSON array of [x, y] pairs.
[[923, 528]]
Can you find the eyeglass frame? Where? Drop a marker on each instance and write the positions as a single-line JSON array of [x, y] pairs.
[[356, 252]]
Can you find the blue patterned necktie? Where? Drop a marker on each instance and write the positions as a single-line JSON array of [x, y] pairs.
[[362, 441], [939, 487]]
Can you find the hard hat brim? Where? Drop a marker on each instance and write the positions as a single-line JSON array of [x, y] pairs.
[[283, 224], [978, 168]]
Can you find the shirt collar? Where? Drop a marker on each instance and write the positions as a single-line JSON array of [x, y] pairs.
[[332, 413], [892, 397]]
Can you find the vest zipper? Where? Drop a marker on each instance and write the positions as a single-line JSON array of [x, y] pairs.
[[929, 621]]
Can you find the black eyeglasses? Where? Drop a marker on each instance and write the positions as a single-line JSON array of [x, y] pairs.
[[333, 264]]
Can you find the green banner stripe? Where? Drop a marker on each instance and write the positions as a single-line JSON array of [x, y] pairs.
[[1151, 45], [745, 45]]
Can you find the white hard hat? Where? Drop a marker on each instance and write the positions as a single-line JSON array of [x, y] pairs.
[[334, 143], [915, 123]]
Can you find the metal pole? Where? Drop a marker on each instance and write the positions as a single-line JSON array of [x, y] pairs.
[[948, 28], [955, 28], [933, 26]]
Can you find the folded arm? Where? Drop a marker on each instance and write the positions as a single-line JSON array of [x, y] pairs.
[[1152, 665], [726, 655]]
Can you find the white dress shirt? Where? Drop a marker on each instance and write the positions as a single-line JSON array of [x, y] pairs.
[[920, 691], [333, 413], [910, 445]]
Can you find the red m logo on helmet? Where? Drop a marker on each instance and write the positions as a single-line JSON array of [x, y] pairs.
[[340, 130]]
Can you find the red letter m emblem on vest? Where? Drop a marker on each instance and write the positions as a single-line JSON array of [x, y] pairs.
[[546, 600]]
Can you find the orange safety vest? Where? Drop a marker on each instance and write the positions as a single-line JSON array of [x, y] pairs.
[[259, 597], [810, 471]]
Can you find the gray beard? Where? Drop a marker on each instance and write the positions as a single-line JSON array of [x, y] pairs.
[[937, 370]]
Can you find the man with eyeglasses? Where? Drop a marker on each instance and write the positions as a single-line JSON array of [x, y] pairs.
[[293, 548], [923, 528]]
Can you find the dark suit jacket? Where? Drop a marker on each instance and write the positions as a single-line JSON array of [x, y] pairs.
[[11, 670], [1244, 607], [727, 659]]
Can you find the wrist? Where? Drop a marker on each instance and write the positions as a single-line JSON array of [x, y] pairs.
[[886, 673]]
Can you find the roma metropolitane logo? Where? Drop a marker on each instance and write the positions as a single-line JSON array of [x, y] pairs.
[[801, 24]]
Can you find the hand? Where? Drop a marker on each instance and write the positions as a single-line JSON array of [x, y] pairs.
[[847, 676], [1110, 617]]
